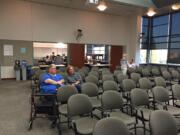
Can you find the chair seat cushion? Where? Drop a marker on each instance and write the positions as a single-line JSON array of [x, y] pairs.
[[127, 119], [95, 102], [85, 125], [63, 109], [173, 110], [146, 113]]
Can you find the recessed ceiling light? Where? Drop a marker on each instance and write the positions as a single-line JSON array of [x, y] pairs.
[[175, 7], [151, 12], [102, 6]]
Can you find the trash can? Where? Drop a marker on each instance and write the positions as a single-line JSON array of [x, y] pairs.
[[17, 68], [24, 70]]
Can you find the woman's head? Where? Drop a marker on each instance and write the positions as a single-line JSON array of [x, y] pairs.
[[52, 69], [70, 70]]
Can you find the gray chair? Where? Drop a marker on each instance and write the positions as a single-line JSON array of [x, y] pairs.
[[175, 75], [120, 78], [146, 72], [112, 102], [146, 84], [110, 85], [176, 95], [159, 81], [128, 85], [95, 73], [107, 77], [80, 112], [93, 79], [140, 103], [162, 123], [109, 126], [161, 97], [135, 77], [155, 72], [92, 91], [63, 94]]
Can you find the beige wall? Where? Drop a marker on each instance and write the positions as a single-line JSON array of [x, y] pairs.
[[17, 54], [21, 20]]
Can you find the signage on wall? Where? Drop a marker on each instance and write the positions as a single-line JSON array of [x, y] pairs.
[[23, 50], [8, 50]]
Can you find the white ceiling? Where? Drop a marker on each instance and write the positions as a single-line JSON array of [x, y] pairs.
[[114, 7]]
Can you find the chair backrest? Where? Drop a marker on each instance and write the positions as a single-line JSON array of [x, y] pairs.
[[65, 92], [110, 85], [159, 81], [135, 77], [110, 126], [139, 70], [92, 78], [166, 75], [128, 85], [139, 97], [146, 72], [79, 104], [89, 89], [116, 72], [106, 72], [82, 74], [95, 69], [145, 83], [107, 77], [121, 77], [160, 94], [176, 91], [163, 69], [162, 123], [155, 71], [95, 73], [111, 100], [175, 74]]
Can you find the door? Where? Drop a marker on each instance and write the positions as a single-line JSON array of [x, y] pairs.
[[116, 56], [76, 54]]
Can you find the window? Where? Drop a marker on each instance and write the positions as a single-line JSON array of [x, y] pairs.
[[160, 40], [144, 39], [174, 46], [143, 54], [158, 56], [98, 52]]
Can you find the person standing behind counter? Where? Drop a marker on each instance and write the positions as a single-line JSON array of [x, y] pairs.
[[74, 78], [50, 82]]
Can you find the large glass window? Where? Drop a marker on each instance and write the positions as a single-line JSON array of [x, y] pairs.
[[161, 39], [143, 37], [174, 47], [158, 56]]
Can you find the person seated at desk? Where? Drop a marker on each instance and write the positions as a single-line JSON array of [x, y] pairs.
[[74, 78], [49, 82]]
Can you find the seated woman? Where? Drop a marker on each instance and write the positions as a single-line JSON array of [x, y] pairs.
[[74, 78], [49, 82]]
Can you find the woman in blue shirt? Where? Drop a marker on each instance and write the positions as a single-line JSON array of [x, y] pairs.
[[49, 82]]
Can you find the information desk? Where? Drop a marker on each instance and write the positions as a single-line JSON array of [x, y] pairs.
[[98, 65], [44, 67]]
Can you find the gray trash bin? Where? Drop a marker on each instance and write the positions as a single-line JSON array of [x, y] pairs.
[[24, 74], [18, 75], [24, 70]]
